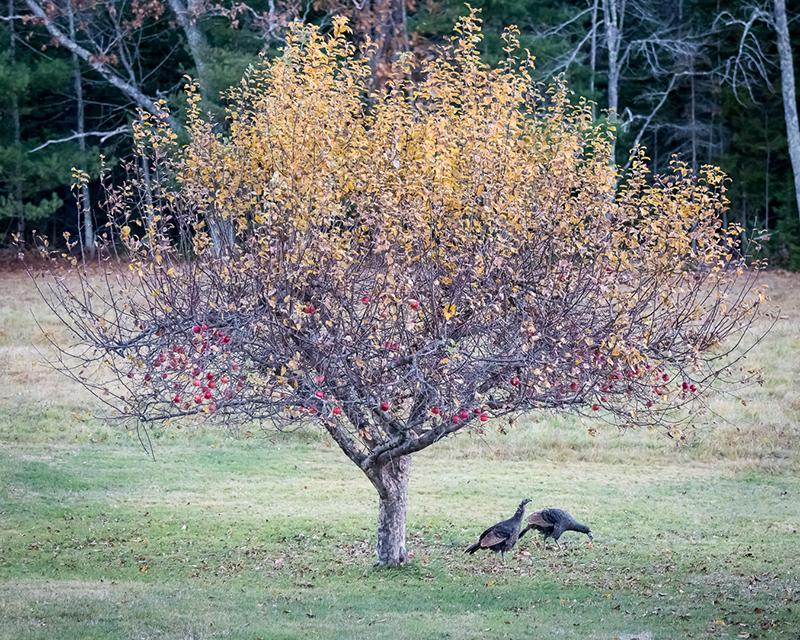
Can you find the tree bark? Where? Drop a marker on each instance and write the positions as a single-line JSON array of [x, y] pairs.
[[188, 17], [613, 18], [593, 63], [16, 181], [391, 481], [84, 201], [788, 91]]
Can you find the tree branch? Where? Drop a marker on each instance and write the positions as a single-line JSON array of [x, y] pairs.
[[140, 99], [104, 135]]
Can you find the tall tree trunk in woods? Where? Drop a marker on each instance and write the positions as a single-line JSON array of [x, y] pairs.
[[389, 32], [766, 171], [391, 481], [593, 54], [613, 18], [188, 14], [787, 88], [16, 180], [84, 201]]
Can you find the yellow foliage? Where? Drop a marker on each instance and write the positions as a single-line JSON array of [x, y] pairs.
[[434, 241]]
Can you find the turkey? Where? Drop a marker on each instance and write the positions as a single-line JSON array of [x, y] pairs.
[[553, 522], [502, 536]]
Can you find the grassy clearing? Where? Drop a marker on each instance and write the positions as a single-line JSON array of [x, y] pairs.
[[251, 541], [274, 538]]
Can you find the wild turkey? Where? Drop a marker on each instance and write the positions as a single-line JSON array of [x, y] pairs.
[[502, 536], [552, 523]]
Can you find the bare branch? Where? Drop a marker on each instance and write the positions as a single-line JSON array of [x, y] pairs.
[[103, 135], [134, 93]]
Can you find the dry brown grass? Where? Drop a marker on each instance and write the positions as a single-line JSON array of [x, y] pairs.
[[38, 404]]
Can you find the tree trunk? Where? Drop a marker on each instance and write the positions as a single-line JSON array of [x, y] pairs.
[[613, 17], [593, 63], [391, 481], [188, 15], [15, 192], [84, 201], [787, 89]]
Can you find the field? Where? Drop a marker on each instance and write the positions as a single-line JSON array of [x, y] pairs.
[[272, 537]]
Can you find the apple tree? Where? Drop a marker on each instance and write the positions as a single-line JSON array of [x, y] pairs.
[[403, 266]]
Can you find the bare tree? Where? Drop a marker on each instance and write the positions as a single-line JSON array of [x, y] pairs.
[[110, 41], [788, 91], [751, 65]]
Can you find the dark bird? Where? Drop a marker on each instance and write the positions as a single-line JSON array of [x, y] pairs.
[[552, 523], [502, 536]]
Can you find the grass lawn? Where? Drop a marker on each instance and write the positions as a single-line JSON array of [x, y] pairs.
[[274, 537]]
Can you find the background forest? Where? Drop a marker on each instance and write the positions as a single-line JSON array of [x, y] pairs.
[[701, 79]]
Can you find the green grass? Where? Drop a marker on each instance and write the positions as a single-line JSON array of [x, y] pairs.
[[97, 541], [274, 538]]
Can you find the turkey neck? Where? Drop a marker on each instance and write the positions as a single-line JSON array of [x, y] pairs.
[[581, 528], [520, 511]]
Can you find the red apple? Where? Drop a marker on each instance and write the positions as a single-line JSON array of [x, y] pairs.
[[692, 388], [414, 304], [484, 417], [336, 411], [319, 394], [464, 414], [198, 398], [204, 327], [224, 379], [147, 377], [164, 375], [574, 386], [212, 384], [176, 399], [435, 411], [309, 308], [685, 386], [226, 339], [209, 376], [130, 374], [456, 419], [196, 382], [665, 377], [212, 407], [365, 299], [649, 403], [384, 406], [207, 394], [595, 407], [514, 381], [478, 411]]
